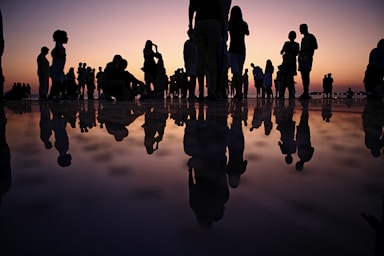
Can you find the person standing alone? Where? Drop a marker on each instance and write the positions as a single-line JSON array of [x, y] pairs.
[[43, 73]]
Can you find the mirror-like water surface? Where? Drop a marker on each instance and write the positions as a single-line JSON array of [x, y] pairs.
[[257, 177]]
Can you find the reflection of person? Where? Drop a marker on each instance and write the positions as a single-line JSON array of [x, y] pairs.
[[208, 186], [59, 123], [286, 125], [303, 138], [378, 226], [5, 157], [154, 126], [236, 164], [45, 125], [373, 123], [307, 49], [43, 73]]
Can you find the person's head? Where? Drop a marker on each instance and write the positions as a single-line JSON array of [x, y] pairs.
[[236, 13], [44, 50], [292, 35], [380, 44], [148, 44], [304, 29], [252, 65], [60, 36]]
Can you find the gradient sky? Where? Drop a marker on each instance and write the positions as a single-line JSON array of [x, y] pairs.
[[346, 31]]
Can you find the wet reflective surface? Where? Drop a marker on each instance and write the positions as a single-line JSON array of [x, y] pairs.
[[255, 177]]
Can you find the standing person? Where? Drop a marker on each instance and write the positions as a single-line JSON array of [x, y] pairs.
[[43, 73], [267, 82], [209, 30], [328, 85], [245, 83], [238, 29], [150, 66], [307, 49], [289, 51], [58, 63], [82, 78], [190, 63], [1, 54], [258, 77], [100, 81], [374, 74]]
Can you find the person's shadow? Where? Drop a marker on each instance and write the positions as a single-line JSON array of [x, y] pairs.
[[5, 157]]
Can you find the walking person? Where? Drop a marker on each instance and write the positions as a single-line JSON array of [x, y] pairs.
[[43, 73], [238, 29], [307, 50]]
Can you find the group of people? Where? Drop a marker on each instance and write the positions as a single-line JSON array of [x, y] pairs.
[[207, 60]]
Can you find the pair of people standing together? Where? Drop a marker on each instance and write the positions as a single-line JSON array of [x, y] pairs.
[[210, 34]]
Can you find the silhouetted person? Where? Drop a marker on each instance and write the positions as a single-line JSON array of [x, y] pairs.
[[374, 74], [289, 51], [72, 89], [258, 77], [209, 29], [5, 157], [245, 81], [238, 29], [303, 138], [150, 66], [328, 85], [43, 73], [59, 123], [268, 80], [161, 79], [119, 83], [378, 226], [58, 63], [373, 124], [236, 164], [45, 125], [349, 93], [307, 50], [1, 55], [100, 81], [286, 125], [82, 78], [90, 82], [190, 63]]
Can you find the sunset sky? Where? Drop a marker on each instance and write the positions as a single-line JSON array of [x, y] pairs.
[[346, 31]]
